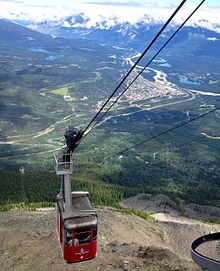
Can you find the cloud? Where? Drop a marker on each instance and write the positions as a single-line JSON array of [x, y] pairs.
[[37, 6], [109, 12], [212, 38], [123, 4], [12, 1]]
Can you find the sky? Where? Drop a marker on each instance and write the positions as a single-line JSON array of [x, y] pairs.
[[209, 2], [124, 10]]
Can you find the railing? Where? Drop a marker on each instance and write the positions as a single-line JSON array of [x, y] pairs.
[[203, 261], [63, 163]]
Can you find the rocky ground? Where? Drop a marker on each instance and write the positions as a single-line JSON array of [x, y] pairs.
[[28, 241], [161, 203]]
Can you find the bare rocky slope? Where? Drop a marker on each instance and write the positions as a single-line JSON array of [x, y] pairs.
[[28, 241], [161, 203]]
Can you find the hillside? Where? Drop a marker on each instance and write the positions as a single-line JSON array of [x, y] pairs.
[[12, 33], [162, 204], [126, 242]]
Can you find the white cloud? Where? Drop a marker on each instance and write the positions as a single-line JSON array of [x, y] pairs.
[[109, 12], [212, 38]]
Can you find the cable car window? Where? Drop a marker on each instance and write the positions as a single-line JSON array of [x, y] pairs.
[[68, 239], [82, 237], [94, 234]]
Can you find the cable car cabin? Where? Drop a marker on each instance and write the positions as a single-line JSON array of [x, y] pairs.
[[77, 232], [76, 219]]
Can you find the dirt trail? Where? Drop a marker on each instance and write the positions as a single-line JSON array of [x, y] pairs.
[[163, 217], [126, 242]]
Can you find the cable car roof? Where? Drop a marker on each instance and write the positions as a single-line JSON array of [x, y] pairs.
[[83, 214], [80, 222]]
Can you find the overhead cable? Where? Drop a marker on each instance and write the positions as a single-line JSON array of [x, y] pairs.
[[142, 70], [163, 133], [133, 67]]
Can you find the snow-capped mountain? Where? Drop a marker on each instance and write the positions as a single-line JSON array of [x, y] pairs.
[[117, 23], [128, 35]]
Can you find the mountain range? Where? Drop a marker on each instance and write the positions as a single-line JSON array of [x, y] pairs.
[[193, 44], [125, 34]]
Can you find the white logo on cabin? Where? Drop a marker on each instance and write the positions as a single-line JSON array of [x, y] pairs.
[[82, 251]]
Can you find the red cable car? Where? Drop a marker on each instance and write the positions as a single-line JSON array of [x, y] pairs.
[[76, 218], [77, 234]]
